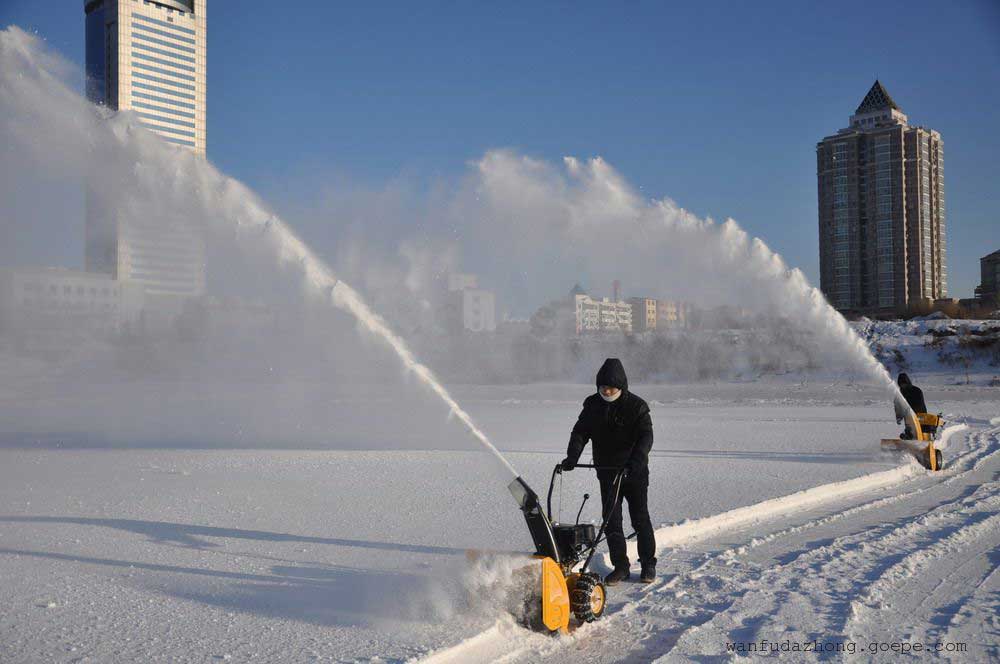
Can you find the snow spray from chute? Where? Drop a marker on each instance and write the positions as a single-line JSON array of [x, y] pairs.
[[347, 298], [818, 311], [64, 133], [588, 211]]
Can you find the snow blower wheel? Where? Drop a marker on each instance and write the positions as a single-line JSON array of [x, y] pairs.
[[588, 597]]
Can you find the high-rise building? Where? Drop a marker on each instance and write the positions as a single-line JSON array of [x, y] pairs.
[[881, 211], [148, 57], [988, 290]]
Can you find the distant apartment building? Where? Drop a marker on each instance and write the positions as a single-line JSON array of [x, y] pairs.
[[56, 301], [881, 211], [643, 314], [671, 313], [468, 307], [988, 291], [147, 57], [649, 314], [604, 315]]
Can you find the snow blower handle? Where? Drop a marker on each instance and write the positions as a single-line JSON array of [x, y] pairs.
[[558, 470], [608, 509]]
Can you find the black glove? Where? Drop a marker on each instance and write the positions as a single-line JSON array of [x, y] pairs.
[[628, 469], [568, 464]]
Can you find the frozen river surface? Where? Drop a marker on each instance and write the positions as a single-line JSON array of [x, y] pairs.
[[118, 553]]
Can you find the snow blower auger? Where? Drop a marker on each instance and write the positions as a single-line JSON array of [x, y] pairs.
[[925, 428], [554, 589]]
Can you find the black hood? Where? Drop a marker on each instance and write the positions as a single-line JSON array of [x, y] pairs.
[[613, 374], [903, 380]]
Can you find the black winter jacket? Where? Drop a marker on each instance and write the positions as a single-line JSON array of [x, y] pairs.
[[913, 395], [622, 430]]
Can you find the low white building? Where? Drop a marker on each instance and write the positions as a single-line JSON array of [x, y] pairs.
[[478, 310], [469, 307], [62, 301], [603, 315]]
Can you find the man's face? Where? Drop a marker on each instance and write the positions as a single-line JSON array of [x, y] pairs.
[[609, 392]]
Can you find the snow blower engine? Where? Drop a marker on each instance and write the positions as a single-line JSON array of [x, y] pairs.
[[555, 590], [925, 429]]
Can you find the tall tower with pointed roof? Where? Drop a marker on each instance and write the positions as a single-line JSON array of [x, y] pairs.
[[881, 211]]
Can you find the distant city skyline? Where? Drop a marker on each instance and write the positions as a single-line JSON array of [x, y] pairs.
[[717, 107]]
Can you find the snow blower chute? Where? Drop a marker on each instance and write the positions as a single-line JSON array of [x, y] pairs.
[[555, 590], [925, 428]]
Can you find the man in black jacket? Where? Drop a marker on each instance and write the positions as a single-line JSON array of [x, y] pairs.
[[914, 397], [619, 424]]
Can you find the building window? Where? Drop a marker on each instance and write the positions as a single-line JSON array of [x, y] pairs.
[[163, 23], [164, 109], [161, 42], [161, 100], [161, 61], [158, 70], [165, 81], [160, 51]]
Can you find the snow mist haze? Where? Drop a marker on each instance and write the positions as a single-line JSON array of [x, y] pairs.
[[528, 228], [50, 129]]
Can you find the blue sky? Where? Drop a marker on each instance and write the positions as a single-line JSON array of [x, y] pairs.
[[716, 105]]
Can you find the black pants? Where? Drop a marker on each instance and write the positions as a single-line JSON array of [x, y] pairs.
[[634, 493]]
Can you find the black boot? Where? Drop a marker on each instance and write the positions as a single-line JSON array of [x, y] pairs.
[[617, 575], [648, 571]]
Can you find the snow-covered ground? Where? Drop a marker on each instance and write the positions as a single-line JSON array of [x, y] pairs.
[[779, 519]]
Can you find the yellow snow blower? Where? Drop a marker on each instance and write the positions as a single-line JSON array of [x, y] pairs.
[[554, 589], [922, 430]]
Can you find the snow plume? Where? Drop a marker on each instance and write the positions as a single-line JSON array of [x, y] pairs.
[[498, 585], [585, 216], [45, 127], [527, 227]]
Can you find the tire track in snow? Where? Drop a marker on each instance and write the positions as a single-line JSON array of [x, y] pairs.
[[977, 615], [703, 529], [843, 565], [913, 594], [937, 575], [725, 566]]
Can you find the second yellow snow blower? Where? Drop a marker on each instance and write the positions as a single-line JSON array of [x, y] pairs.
[[922, 430], [556, 586]]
